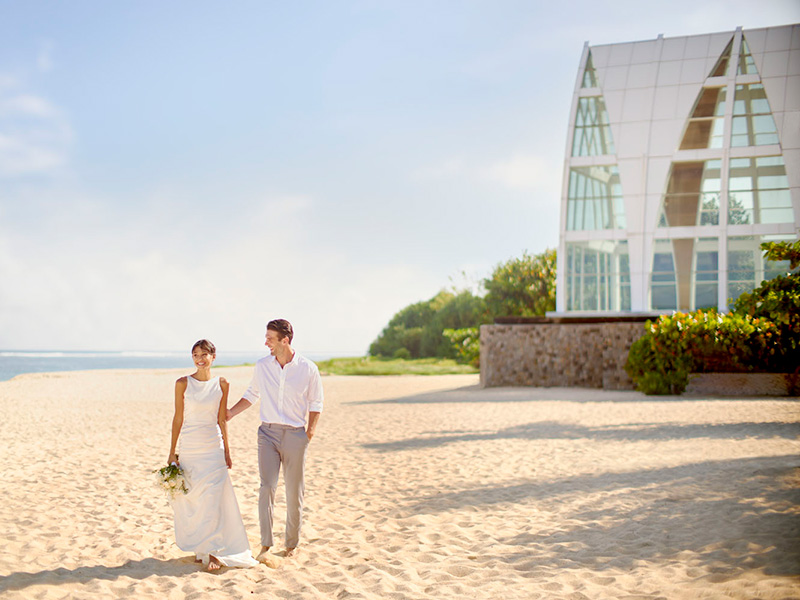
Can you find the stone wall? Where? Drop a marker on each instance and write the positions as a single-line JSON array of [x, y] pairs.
[[558, 354]]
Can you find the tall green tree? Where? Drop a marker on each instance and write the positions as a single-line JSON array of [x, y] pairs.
[[416, 331], [524, 286]]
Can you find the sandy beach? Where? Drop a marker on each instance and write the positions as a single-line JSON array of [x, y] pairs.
[[417, 488]]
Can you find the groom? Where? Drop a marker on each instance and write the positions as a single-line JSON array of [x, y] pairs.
[[290, 390]]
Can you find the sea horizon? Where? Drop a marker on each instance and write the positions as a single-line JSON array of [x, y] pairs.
[[19, 362]]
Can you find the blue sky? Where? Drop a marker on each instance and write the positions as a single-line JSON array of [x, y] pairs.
[[178, 170]]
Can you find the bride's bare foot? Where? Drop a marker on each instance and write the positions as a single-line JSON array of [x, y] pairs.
[[264, 557], [213, 564]]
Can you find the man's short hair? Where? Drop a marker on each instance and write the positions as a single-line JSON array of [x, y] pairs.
[[282, 327], [205, 346]]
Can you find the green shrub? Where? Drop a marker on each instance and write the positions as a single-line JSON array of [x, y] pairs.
[[778, 300], [402, 353], [701, 342], [466, 342]]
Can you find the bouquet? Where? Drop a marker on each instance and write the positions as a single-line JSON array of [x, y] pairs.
[[171, 480]]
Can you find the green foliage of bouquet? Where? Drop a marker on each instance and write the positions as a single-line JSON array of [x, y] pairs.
[[171, 481]]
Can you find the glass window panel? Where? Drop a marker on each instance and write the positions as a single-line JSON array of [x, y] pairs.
[[589, 295], [686, 203], [707, 261], [711, 185], [752, 124], [739, 183], [619, 212], [709, 211], [589, 74], [775, 199], [594, 275], [747, 267], [706, 272], [590, 262], [596, 193], [625, 297], [705, 295], [589, 222], [592, 134], [775, 215], [741, 265], [703, 131], [736, 289], [721, 68], [663, 269], [740, 127], [773, 269], [708, 102], [747, 65], [698, 135], [759, 106], [761, 161], [663, 297], [759, 191], [743, 199]]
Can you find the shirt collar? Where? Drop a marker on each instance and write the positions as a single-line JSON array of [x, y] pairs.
[[292, 361]]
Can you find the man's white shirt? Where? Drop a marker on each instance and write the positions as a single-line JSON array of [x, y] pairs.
[[287, 394]]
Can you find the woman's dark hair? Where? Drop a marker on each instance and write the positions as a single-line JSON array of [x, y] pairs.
[[282, 327], [206, 346]]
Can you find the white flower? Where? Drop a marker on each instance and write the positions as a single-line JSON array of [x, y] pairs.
[[170, 480]]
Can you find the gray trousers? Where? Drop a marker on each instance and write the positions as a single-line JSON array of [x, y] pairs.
[[281, 444]]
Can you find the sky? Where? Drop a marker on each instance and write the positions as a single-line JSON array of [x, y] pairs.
[[171, 171]]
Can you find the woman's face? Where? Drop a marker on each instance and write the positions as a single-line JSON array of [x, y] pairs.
[[202, 358]]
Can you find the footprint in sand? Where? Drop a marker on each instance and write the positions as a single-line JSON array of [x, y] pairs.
[[459, 571]]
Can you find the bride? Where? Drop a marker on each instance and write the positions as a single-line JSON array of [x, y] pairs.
[[207, 518]]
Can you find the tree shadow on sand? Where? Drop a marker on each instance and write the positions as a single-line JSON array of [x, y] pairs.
[[134, 569], [476, 393], [552, 430], [730, 516]]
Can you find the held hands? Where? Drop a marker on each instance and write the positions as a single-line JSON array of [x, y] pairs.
[[228, 414]]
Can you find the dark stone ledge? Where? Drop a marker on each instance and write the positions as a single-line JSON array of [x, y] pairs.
[[573, 320]]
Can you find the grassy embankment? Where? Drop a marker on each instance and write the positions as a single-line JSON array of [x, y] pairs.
[[369, 365]]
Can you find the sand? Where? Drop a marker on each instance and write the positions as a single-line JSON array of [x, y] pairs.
[[417, 488]]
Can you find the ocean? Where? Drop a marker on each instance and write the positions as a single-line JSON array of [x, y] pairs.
[[17, 362]]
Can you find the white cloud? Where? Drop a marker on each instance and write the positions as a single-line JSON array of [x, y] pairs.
[[37, 135], [28, 105], [21, 156], [517, 172], [520, 172], [152, 283]]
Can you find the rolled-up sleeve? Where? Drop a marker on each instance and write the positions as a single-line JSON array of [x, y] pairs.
[[253, 393], [315, 394]]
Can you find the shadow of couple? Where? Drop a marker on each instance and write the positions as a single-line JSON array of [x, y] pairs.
[[134, 569]]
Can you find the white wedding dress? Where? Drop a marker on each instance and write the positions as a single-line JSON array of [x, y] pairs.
[[207, 518]]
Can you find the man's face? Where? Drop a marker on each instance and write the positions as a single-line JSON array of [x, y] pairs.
[[273, 341]]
